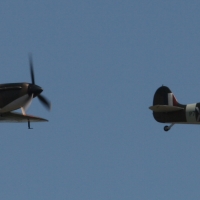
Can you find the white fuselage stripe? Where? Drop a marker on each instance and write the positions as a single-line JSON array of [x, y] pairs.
[[190, 113]]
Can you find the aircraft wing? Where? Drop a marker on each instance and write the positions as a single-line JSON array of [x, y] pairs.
[[19, 118]]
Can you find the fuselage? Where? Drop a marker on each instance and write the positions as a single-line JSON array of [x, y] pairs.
[[190, 114], [15, 95]]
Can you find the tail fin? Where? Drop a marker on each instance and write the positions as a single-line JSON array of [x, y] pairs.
[[166, 108], [164, 96]]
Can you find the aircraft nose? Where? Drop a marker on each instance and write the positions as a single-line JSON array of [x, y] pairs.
[[34, 89]]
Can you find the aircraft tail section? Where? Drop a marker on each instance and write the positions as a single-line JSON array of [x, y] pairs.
[[164, 96], [166, 108]]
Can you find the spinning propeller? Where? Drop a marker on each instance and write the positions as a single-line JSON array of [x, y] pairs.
[[34, 91]]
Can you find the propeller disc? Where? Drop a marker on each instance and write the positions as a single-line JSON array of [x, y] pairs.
[[35, 90]]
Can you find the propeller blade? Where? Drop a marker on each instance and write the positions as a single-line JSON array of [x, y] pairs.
[[31, 69], [35, 90], [44, 101]]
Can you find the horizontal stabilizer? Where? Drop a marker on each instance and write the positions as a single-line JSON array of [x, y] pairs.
[[165, 108]]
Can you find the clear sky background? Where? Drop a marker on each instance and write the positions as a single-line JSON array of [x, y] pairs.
[[100, 62]]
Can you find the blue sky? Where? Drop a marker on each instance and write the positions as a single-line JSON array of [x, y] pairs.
[[100, 62]]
